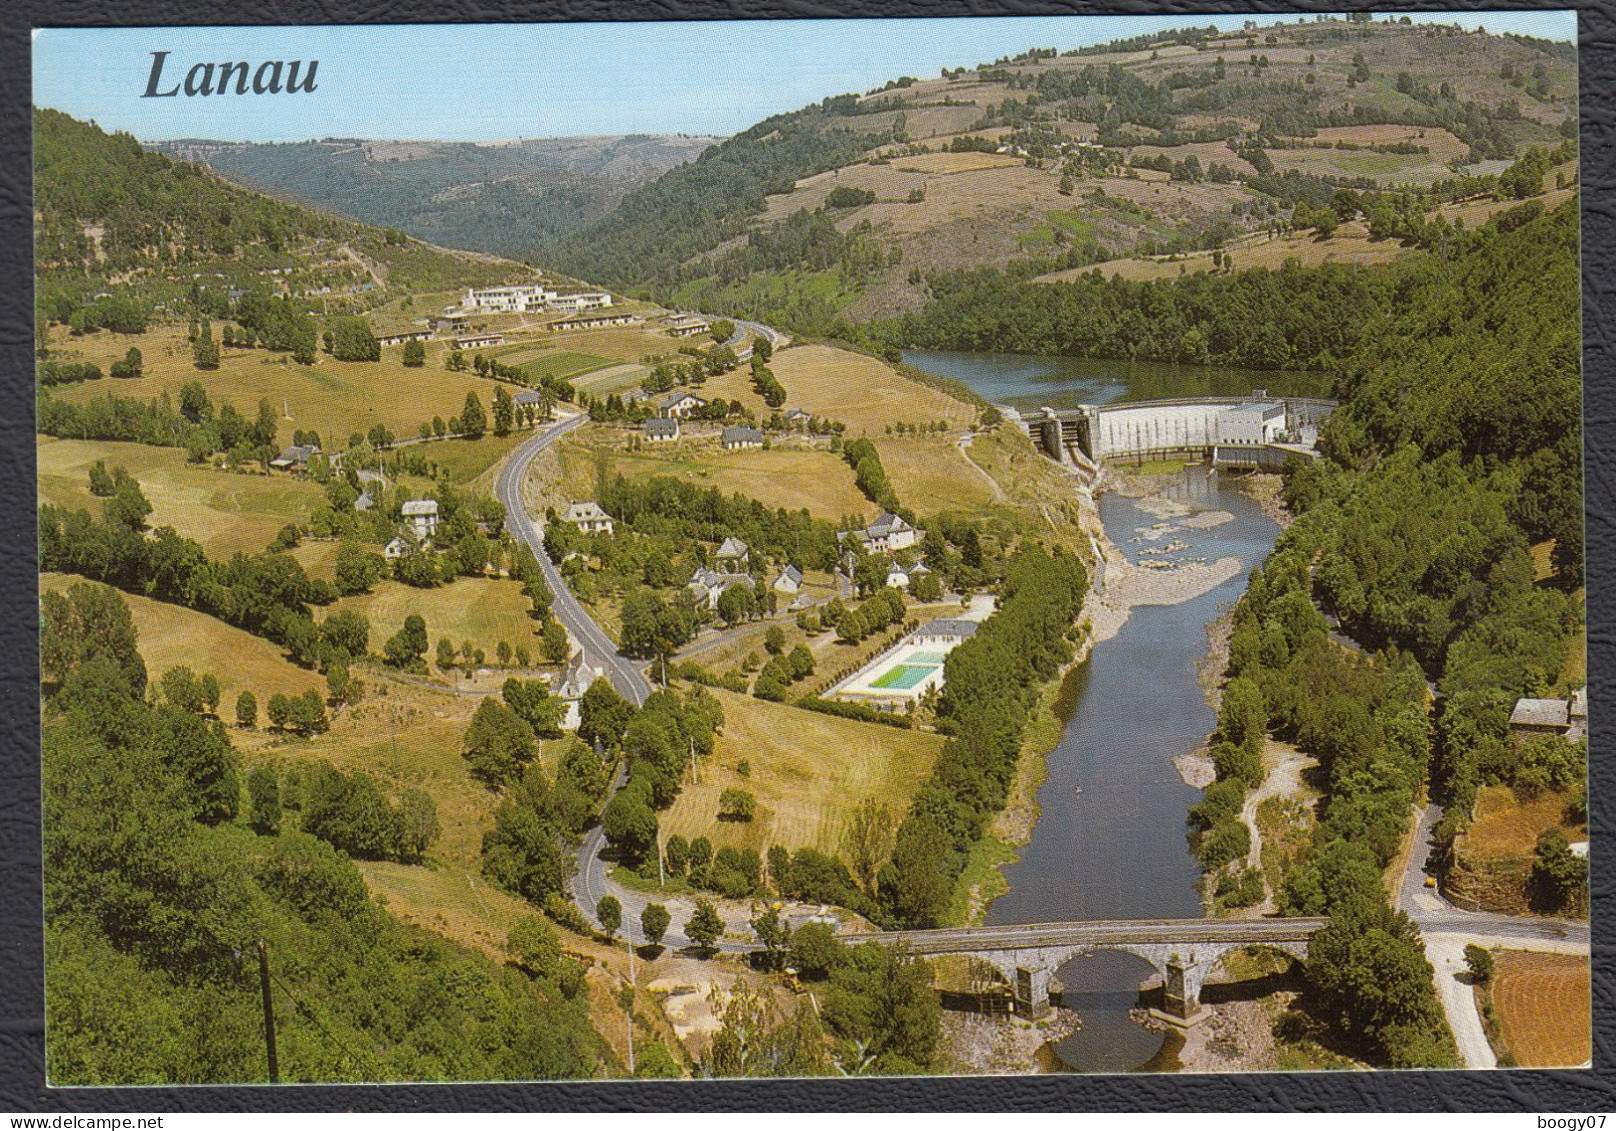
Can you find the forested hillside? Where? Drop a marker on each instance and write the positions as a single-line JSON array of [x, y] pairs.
[[1177, 143], [499, 198], [160, 885], [1456, 449]]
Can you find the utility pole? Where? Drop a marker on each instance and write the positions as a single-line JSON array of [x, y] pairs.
[[269, 1011], [633, 984]]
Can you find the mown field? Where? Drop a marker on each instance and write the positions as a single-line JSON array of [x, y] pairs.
[[861, 392], [334, 398], [793, 479], [808, 772], [931, 474], [481, 610], [225, 511], [169, 636], [1544, 1007]]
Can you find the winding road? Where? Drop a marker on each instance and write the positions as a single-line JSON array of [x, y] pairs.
[[591, 881]]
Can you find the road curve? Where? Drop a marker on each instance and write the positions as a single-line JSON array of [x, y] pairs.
[[624, 673]]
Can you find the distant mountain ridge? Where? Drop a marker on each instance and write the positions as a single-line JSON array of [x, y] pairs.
[[502, 198], [1176, 142]]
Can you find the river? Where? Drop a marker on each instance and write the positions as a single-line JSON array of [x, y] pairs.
[[1110, 842]]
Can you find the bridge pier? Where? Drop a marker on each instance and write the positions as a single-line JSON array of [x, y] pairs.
[[1032, 991], [1181, 987]]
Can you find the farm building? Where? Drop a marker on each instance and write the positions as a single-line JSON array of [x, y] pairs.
[[662, 429], [1567, 718], [736, 439], [576, 678], [733, 550], [707, 585], [407, 336], [295, 458], [789, 581], [479, 341], [589, 518]]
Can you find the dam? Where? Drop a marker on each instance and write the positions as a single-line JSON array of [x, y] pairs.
[[1255, 431]]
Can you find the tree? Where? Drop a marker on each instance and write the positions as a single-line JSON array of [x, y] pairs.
[[654, 921], [629, 822], [472, 421], [603, 714], [555, 645], [504, 412], [736, 805], [775, 935], [405, 647], [1559, 878], [264, 793], [774, 640], [705, 927], [867, 841], [1479, 962], [446, 653], [499, 744], [536, 947], [208, 690], [414, 353], [351, 340], [609, 912], [204, 350], [101, 483], [737, 604], [246, 710], [127, 507], [85, 623]]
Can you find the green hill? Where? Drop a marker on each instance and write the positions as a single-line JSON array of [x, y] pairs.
[[110, 216], [1046, 161]]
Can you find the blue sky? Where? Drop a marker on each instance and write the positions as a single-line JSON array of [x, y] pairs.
[[479, 82]]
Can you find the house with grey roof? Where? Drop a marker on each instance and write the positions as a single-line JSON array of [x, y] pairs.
[[421, 516], [589, 518], [887, 533], [789, 581], [662, 429], [734, 439]]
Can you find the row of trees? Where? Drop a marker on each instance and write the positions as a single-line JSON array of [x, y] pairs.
[[991, 684]]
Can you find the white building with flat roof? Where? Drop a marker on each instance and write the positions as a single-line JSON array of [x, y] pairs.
[[580, 302], [507, 300]]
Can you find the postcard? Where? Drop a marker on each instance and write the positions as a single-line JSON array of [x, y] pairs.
[[695, 550]]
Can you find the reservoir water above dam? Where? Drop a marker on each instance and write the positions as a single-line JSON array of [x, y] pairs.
[[1028, 383], [1110, 842]]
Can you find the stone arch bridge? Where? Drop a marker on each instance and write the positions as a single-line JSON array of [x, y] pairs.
[[1183, 951]]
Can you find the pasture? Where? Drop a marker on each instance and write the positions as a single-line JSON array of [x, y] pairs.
[[481, 610], [808, 772], [861, 392], [225, 511], [334, 398], [819, 480], [169, 635]]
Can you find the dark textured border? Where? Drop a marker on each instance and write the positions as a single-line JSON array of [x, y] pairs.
[[21, 961]]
